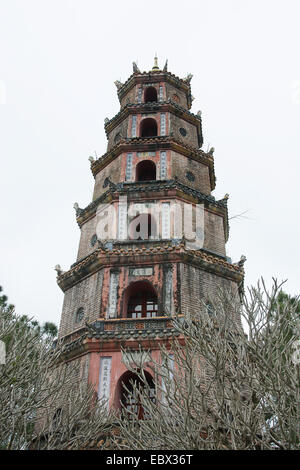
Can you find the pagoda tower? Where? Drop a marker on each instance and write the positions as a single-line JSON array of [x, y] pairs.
[[138, 265]]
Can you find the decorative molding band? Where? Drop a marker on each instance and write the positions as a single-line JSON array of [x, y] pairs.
[[155, 252], [165, 106], [155, 76], [140, 144]]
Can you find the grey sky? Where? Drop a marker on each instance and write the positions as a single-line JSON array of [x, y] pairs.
[[58, 63]]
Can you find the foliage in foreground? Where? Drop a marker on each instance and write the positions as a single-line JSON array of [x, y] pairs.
[[41, 405], [219, 389], [222, 389]]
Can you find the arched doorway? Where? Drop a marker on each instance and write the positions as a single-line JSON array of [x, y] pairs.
[[128, 388], [148, 128], [145, 171], [150, 94], [140, 300]]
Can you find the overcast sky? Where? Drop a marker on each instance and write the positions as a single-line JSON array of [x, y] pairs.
[[58, 63]]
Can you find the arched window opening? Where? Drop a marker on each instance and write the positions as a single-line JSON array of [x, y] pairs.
[[150, 94], [142, 227], [142, 301], [145, 171], [148, 128], [130, 388]]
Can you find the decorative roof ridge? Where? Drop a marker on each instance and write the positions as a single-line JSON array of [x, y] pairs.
[[128, 186], [143, 327], [215, 259], [105, 251], [122, 88], [134, 251], [117, 149], [153, 104]]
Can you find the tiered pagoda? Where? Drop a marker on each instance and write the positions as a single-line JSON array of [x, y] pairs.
[[137, 267]]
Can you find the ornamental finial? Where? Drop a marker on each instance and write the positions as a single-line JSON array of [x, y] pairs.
[[135, 68], [188, 78], [77, 209], [118, 84], [242, 261], [155, 66], [58, 270]]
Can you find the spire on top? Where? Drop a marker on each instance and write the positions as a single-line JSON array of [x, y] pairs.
[[155, 66]]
